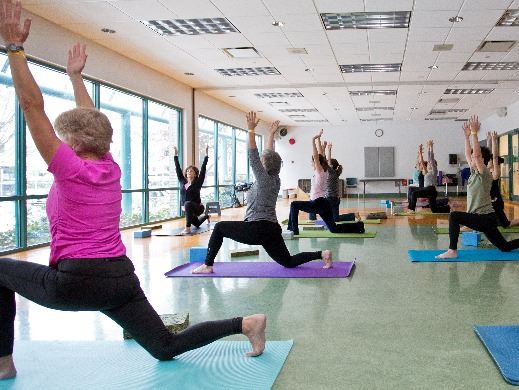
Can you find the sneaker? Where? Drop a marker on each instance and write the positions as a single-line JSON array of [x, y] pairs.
[[186, 231]]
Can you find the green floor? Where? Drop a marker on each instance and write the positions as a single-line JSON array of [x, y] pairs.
[[391, 325]]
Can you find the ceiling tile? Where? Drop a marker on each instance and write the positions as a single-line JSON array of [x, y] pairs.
[[430, 34], [240, 8], [388, 35], [438, 5], [144, 10], [384, 5], [290, 7], [335, 6]]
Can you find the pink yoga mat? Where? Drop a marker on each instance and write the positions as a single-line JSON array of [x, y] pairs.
[[271, 269]]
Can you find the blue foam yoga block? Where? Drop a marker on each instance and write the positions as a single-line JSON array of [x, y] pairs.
[[470, 238], [197, 254], [142, 233]]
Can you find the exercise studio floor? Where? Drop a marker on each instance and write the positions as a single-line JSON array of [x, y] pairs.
[[392, 324]]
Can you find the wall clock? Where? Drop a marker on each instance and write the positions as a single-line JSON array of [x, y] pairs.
[[379, 132]]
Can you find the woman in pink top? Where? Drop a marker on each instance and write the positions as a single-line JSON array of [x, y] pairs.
[[88, 270], [318, 203]]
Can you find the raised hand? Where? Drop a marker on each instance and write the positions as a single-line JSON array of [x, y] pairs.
[[206, 150], [319, 134], [325, 143], [10, 29], [175, 151], [76, 59], [273, 127], [466, 128], [330, 145], [474, 124], [252, 122]]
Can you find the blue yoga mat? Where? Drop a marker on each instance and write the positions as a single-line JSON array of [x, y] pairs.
[[468, 255], [502, 343], [126, 365]]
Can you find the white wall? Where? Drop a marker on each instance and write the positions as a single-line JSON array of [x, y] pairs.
[[502, 124], [49, 42], [349, 143]]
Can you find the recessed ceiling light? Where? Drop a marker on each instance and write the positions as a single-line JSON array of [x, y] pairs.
[[232, 96], [191, 26], [273, 95], [510, 18], [366, 20], [189, 74], [467, 91], [516, 91], [433, 67], [242, 52], [278, 23], [359, 68], [456, 19], [261, 71], [309, 69], [374, 92], [413, 108], [108, 30], [491, 66]]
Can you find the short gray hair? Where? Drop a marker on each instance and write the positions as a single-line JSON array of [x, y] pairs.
[[272, 162], [85, 129]]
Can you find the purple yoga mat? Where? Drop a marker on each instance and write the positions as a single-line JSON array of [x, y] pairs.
[[254, 269]]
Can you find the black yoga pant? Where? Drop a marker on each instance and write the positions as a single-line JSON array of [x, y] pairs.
[[264, 233], [426, 192], [193, 210], [485, 223], [322, 207], [108, 285], [334, 204], [499, 208]]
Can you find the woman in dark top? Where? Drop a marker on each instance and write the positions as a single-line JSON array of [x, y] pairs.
[[495, 192], [191, 181]]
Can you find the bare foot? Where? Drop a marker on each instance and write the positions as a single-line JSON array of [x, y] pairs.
[[357, 216], [327, 258], [7, 368], [203, 269], [187, 230], [254, 328], [465, 229], [450, 254]]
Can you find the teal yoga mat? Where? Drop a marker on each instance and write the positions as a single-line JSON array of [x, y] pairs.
[[328, 234], [502, 343], [126, 365], [445, 230], [469, 255]]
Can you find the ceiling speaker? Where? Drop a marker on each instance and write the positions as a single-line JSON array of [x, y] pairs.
[[283, 131]]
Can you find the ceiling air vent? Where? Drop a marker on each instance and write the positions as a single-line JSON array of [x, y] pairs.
[[443, 47], [242, 52], [496, 46], [297, 50]]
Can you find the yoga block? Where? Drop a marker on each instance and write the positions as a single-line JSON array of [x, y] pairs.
[[244, 252], [287, 234], [470, 238], [151, 227], [316, 227], [197, 254], [142, 233], [383, 201], [174, 322]]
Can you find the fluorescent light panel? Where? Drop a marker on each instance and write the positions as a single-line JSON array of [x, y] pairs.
[[374, 108], [510, 18], [359, 68], [275, 95], [261, 71], [469, 91], [311, 120], [366, 20], [441, 119], [377, 119], [191, 26], [298, 110], [447, 110], [374, 92], [491, 66]]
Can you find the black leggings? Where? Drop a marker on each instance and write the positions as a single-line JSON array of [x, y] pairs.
[[322, 207], [334, 204], [193, 210], [426, 192], [107, 285], [499, 208], [264, 233], [485, 223]]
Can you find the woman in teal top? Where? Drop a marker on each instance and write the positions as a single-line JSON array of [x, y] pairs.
[[480, 214]]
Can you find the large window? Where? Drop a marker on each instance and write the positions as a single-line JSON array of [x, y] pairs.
[[232, 159], [144, 134]]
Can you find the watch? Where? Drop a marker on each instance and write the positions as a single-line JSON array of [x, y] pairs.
[[379, 132], [14, 48]]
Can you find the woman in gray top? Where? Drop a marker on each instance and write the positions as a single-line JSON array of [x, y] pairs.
[[430, 171], [260, 226], [480, 215]]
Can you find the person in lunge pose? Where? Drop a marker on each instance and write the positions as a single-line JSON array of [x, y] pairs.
[[480, 214], [191, 182], [318, 203], [88, 270], [430, 171], [260, 226]]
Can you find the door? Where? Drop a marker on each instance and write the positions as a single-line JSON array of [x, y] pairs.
[[514, 160]]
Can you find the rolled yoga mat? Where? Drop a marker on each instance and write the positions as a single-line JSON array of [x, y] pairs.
[[469, 255], [328, 234], [445, 230], [178, 232], [126, 365], [502, 343], [271, 269]]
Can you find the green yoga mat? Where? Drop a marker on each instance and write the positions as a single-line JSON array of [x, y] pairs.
[[306, 223], [418, 213], [328, 234], [445, 230], [126, 365]]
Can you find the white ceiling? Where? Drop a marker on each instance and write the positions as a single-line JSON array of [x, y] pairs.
[[324, 88]]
